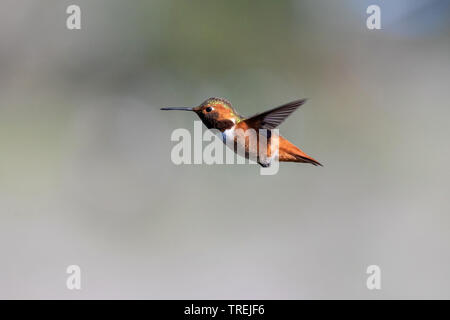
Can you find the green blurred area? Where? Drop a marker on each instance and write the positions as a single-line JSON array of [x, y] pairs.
[[85, 170]]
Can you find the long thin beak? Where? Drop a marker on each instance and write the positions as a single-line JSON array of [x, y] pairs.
[[178, 108]]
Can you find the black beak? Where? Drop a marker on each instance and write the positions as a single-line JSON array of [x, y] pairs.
[[178, 108]]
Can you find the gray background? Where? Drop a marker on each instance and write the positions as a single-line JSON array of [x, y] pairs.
[[85, 170]]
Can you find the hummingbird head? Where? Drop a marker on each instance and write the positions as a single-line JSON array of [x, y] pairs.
[[215, 113]]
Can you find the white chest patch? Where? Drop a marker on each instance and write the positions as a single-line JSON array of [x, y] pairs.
[[228, 134]]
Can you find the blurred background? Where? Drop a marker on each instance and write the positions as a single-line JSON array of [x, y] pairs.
[[86, 176]]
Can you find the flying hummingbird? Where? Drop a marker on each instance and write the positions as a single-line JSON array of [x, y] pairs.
[[218, 113]]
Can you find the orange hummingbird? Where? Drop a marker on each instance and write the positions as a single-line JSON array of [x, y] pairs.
[[218, 113]]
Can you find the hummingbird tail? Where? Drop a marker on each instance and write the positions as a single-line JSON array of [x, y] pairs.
[[302, 159], [290, 153], [307, 159]]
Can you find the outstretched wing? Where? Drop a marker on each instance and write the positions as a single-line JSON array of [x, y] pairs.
[[273, 118]]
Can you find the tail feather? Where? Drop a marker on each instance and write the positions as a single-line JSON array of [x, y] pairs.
[[290, 153], [308, 159]]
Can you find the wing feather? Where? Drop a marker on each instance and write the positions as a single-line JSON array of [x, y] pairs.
[[273, 118]]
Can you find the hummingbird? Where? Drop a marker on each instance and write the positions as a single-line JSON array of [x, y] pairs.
[[218, 113]]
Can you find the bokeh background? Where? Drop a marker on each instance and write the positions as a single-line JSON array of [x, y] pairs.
[[86, 176]]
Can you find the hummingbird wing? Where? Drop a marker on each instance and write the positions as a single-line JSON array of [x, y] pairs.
[[274, 117]]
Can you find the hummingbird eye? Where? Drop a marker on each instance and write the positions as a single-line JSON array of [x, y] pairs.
[[209, 109]]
